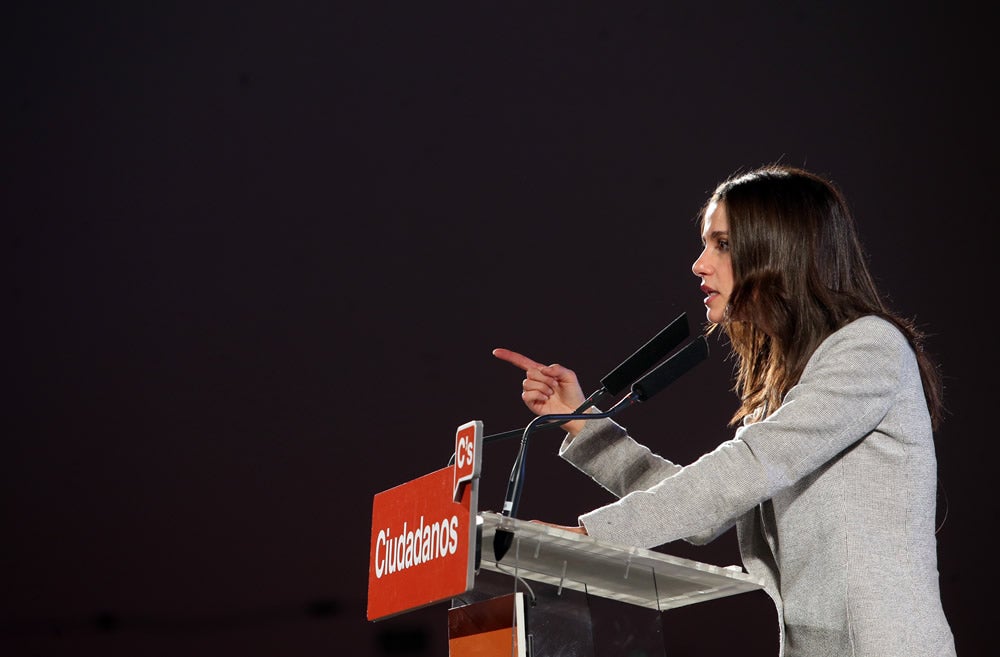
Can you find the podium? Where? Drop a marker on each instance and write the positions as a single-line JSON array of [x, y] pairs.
[[585, 597], [553, 592]]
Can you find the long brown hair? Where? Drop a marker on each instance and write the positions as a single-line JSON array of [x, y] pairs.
[[800, 273]]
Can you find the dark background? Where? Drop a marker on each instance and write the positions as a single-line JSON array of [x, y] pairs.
[[257, 256]]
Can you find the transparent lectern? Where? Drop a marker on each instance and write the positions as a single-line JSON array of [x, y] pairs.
[[551, 592], [559, 593]]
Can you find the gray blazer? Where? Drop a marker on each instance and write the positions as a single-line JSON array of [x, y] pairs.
[[833, 497]]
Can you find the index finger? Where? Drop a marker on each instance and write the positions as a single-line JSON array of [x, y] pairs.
[[519, 360]]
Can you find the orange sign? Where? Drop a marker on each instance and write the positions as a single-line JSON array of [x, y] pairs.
[[423, 543]]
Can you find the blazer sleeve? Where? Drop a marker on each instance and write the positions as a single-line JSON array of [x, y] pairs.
[[844, 393]]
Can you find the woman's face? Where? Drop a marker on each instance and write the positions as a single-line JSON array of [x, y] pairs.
[[714, 266]]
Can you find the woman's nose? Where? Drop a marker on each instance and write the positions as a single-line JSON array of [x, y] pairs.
[[699, 267]]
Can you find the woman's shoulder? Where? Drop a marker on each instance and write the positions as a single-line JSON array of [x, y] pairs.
[[872, 326], [871, 334]]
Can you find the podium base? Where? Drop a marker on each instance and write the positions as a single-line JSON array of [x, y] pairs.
[[552, 622]]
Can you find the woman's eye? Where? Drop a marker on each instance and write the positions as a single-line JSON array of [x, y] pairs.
[[723, 245]]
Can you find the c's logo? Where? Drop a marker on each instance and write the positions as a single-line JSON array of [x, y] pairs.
[[468, 442]]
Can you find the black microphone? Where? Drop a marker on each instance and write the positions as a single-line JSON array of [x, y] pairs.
[[627, 371], [671, 369], [646, 356], [642, 390]]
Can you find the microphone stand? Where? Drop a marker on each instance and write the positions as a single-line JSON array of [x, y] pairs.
[[502, 539], [516, 482]]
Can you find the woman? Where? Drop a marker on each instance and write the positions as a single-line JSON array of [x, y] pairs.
[[830, 478]]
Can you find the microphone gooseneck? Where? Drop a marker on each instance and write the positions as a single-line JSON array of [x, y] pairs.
[[503, 539]]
